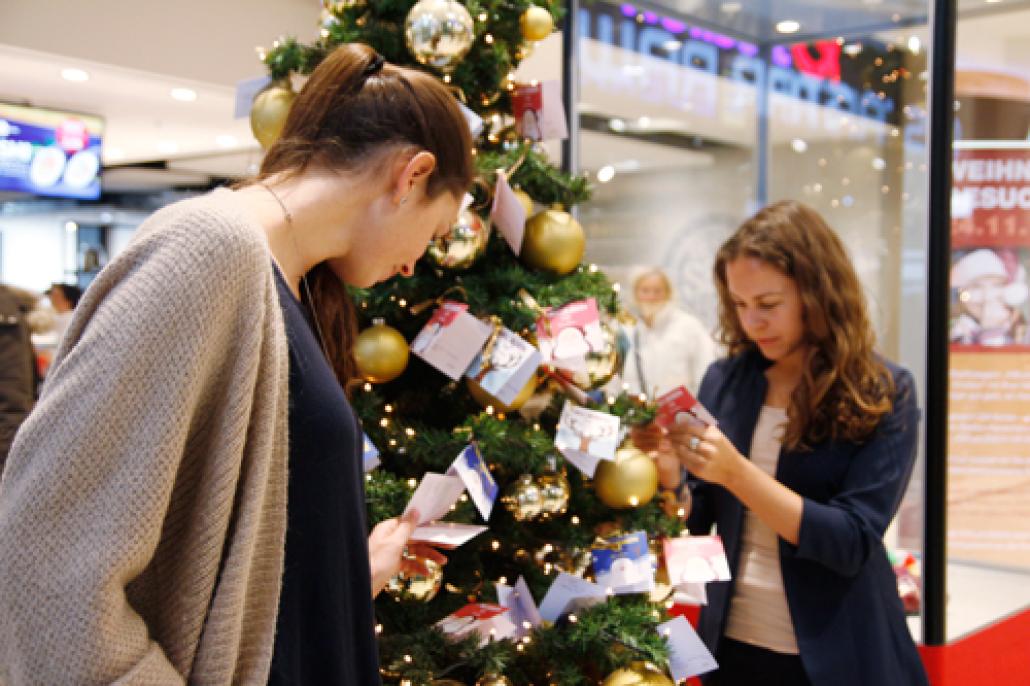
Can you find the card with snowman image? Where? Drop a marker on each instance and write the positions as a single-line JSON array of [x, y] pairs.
[[504, 369], [623, 564], [585, 437], [696, 560], [569, 333], [451, 339]]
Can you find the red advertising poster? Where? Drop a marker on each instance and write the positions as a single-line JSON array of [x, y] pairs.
[[989, 377]]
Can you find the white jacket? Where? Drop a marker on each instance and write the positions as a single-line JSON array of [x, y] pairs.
[[675, 351]]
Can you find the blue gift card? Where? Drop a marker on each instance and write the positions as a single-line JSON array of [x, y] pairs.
[[623, 564]]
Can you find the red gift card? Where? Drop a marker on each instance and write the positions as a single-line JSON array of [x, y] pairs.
[[447, 313], [680, 401]]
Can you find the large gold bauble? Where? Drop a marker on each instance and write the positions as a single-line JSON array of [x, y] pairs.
[[554, 556], [536, 23], [439, 33], [481, 396], [630, 481], [522, 499], [269, 111], [492, 679], [463, 245], [407, 587], [525, 201], [638, 674], [554, 492], [603, 364], [553, 242], [381, 352]]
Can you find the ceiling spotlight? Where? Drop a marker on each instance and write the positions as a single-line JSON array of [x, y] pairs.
[[799, 145], [617, 125], [184, 94], [879, 164], [605, 173], [914, 44], [788, 26], [72, 74]]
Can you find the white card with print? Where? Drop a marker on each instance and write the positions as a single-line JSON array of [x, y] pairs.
[[569, 592], [451, 339], [369, 453], [479, 482], [585, 437], [688, 655], [435, 496], [447, 535], [508, 214], [520, 603], [513, 360], [696, 559]]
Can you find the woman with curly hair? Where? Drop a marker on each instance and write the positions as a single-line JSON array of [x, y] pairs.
[[815, 445]]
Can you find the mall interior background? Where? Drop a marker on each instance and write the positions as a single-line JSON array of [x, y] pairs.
[[691, 114]]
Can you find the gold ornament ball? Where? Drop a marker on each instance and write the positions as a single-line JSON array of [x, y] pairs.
[[484, 398], [554, 492], [417, 587], [269, 111], [638, 674], [439, 33], [492, 679], [463, 245], [553, 242], [381, 352], [523, 499], [630, 481], [525, 201], [536, 23]]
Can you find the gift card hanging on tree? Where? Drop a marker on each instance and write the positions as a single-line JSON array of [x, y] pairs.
[[504, 367], [508, 214], [492, 623], [539, 112], [585, 437], [369, 453], [568, 592], [696, 559], [568, 334], [688, 655], [475, 122], [623, 564], [479, 482], [521, 606], [451, 339]]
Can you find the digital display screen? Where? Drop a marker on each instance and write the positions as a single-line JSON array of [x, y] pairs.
[[50, 152]]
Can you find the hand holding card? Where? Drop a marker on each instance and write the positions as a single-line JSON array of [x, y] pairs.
[[680, 405]]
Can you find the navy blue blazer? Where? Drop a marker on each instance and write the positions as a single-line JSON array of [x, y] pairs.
[[840, 587]]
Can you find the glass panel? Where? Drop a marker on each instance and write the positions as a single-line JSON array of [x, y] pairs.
[[989, 403], [694, 114]]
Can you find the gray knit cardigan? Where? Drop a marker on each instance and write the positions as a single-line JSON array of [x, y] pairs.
[[143, 507]]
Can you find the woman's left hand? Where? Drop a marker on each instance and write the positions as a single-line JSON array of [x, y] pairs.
[[706, 452], [389, 552]]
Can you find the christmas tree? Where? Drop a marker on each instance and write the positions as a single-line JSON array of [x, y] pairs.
[[550, 514]]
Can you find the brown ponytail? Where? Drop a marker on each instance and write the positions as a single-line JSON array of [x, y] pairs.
[[353, 107]]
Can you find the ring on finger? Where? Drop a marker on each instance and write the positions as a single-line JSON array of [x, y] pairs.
[[693, 443]]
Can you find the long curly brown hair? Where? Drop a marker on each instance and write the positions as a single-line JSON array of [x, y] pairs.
[[845, 388]]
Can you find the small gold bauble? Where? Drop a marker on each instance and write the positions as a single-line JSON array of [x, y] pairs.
[[493, 679], [417, 587], [463, 245], [439, 33], [554, 492], [602, 364], [481, 396], [536, 23], [630, 481], [523, 499], [638, 674], [381, 352], [269, 111], [553, 242], [525, 201]]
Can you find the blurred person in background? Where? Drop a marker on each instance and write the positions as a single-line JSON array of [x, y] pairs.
[[63, 298], [18, 377]]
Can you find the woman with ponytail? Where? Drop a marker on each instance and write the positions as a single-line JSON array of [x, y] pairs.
[[186, 503], [814, 448]]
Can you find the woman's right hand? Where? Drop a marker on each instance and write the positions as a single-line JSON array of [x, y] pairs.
[[389, 552]]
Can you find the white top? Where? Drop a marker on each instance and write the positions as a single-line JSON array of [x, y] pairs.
[[758, 610], [675, 351]]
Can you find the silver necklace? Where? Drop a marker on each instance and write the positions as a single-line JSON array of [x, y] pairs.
[[303, 277]]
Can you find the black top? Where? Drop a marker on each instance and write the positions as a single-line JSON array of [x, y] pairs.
[[325, 632], [840, 588]]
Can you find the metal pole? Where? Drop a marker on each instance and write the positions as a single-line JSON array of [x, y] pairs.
[[942, 96], [570, 86]]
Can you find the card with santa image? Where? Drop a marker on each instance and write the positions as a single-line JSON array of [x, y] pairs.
[[585, 437], [623, 564], [504, 368], [696, 559], [451, 339], [568, 334], [491, 621], [539, 112], [680, 405]]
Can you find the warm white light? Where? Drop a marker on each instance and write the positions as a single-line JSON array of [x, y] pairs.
[[72, 74], [788, 26], [226, 141], [184, 94], [799, 145], [853, 49], [914, 44], [70, 227], [605, 173], [168, 147], [879, 164], [617, 125], [644, 122]]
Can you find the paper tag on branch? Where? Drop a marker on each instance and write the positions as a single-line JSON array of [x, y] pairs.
[[521, 606], [508, 214], [623, 564], [679, 405], [492, 623], [479, 482], [569, 592], [369, 453], [451, 339], [696, 559], [513, 360], [539, 112], [688, 655], [568, 334], [585, 437]]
